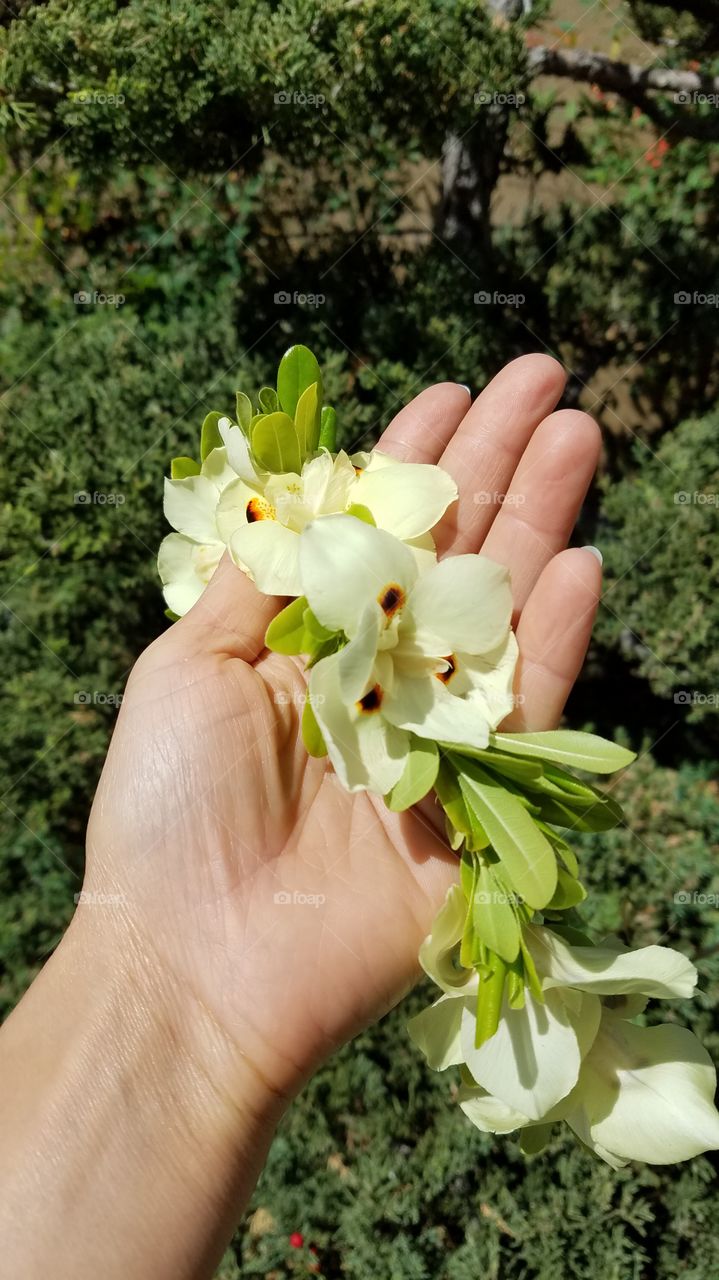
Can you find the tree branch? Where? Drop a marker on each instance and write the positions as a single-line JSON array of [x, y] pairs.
[[634, 83]]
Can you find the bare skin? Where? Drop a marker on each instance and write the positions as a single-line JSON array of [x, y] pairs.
[[146, 1069]]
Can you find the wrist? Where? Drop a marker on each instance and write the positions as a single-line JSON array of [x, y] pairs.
[[126, 1095]]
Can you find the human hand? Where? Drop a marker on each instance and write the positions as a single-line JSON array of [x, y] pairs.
[[210, 814]]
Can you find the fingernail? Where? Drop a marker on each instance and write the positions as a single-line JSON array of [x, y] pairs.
[[464, 387], [595, 552]]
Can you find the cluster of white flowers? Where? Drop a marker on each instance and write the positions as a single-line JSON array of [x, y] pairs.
[[430, 648], [629, 1092], [411, 668]]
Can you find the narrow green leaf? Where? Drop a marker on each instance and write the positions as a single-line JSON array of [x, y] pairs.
[[453, 802], [181, 468], [567, 747], [508, 765], [418, 776], [315, 744], [599, 815], [531, 978], [307, 420], [267, 400], [568, 893], [243, 411], [298, 370], [210, 437], [174, 617], [524, 851], [468, 870], [275, 444], [489, 1002], [328, 429], [561, 848], [494, 919], [286, 632]]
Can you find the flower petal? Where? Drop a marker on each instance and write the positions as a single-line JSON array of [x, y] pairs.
[[185, 568], [346, 564], [407, 498], [270, 552], [436, 954], [238, 451], [436, 1031], [649, 971], [217, 469], [367, 753], [462, 604], [532, 1061], [488, 681], [488, 1113], [357, 659], [647, 1093], [190, 507], [232, 507], [423, 705]]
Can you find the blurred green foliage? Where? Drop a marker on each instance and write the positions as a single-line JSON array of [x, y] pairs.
[[228, 215]]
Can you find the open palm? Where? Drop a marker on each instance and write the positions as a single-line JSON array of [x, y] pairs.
[[291, 909]]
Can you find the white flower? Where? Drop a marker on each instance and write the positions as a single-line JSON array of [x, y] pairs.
[[628, 1092], [406, 498], [204, 511], [429, 653]]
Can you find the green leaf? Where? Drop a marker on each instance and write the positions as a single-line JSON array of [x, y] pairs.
[[298, 370], [361, 512], [489, 1002], [267, 400], [418, 776], [315, 744], [174, 617], [468, 870], [286, 632], [328, 429], [599, 815], [567, 747], [494, 919], [181, 468], [524, 851], [210, 437], [243, 411], [307, 420], [275, 444], [560, 846], [508, 765], [568, 893], [454, 805]]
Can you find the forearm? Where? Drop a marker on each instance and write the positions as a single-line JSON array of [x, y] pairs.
[[132, 1130]]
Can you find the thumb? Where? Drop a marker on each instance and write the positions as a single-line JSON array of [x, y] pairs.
[[231, 614]]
